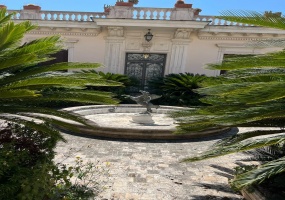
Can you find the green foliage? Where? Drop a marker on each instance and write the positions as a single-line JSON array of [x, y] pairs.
[[177, 89], [26, 157], [268, 153], [250, 94], [24, 85], [119, 91], [84, 180], [27, 170]]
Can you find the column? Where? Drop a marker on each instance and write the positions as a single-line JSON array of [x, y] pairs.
[[179, 51], [69, 43], [114, 56]]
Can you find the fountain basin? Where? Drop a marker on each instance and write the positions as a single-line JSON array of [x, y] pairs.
[[115, 121]]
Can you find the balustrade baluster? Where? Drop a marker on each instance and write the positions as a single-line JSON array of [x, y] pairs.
[[151, 14], [63, 16], [138, 13], [58, 16], [51, 16], [45, 16], [145, 15], [157, 14]]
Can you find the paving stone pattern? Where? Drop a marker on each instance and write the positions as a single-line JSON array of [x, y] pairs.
[[143, 170]]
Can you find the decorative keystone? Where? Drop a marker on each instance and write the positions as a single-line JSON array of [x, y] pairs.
[[181, 4], [31, 7]]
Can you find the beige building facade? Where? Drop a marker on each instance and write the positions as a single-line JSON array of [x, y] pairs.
[[183, 40]]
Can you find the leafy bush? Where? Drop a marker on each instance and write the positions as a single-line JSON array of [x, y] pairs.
[[27, 170], [86, 180], [127, 84], [177, 89], [25, 162]]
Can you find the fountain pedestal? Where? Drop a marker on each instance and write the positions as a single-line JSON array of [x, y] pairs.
[[142, 118]]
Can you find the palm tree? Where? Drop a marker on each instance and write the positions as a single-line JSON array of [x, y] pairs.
[[251, 93], [25, 86]]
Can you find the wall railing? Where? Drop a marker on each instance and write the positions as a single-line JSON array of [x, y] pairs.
[[137, 13]]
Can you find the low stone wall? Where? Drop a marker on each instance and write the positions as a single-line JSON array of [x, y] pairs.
[[121, 127]]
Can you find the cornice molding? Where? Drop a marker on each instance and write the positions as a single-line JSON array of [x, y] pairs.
[[239, 33], [150, 24], [87, 34], [237, 36], [181, 41]]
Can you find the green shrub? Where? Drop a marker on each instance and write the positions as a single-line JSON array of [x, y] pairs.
[[128, 85], [25, 162], [28, 172], [177, 89]]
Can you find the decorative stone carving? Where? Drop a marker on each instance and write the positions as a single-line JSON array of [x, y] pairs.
[[115, 31], [182, 33]]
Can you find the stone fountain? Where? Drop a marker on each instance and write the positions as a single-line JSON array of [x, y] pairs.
[[133, 121]]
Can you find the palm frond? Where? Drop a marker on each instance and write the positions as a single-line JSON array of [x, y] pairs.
[[243, 136], [4, 17], [253, 17], [35, 70], [257, 176], [237, 147], [275, 59], [20, 93]]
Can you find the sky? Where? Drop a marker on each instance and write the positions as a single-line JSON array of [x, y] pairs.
[[209, 7]]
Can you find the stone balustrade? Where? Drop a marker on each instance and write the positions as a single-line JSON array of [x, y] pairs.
[[217, 22], [152, 13], [136, 13], [60, 15]]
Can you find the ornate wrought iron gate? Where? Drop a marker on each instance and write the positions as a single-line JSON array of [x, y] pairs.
[[145, 67]]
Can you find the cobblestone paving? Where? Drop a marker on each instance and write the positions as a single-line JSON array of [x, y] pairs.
[[143, 170]]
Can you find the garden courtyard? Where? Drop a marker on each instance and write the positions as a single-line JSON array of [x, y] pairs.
[[142, 170]]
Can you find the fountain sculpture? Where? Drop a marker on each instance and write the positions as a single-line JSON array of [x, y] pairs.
[[145, 117]]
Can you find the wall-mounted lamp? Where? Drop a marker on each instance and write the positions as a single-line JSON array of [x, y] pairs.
[[148, 36]]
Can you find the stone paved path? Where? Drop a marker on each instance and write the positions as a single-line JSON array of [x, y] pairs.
[[152, 171]]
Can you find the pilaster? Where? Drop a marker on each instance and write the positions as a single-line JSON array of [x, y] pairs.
[[179, 51], [69, 43], [115, 50]]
